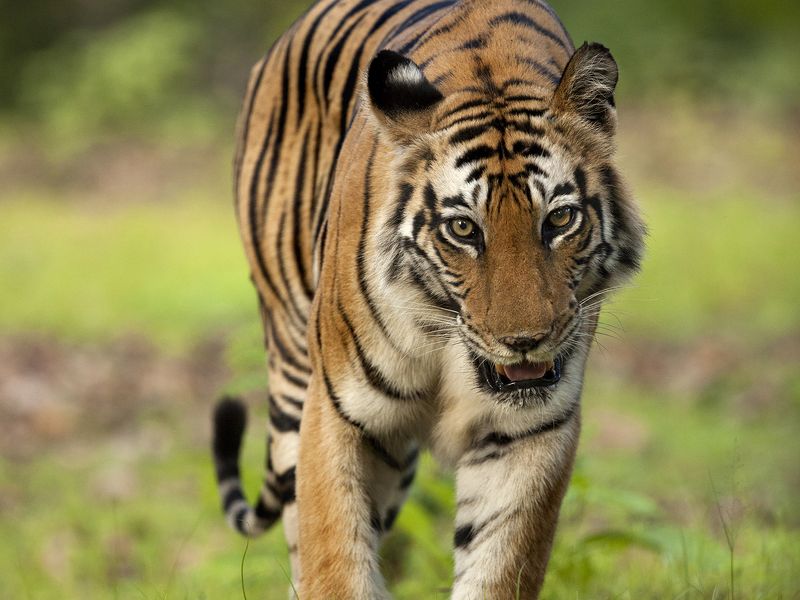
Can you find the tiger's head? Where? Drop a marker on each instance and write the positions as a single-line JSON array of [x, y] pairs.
[[507, 209]]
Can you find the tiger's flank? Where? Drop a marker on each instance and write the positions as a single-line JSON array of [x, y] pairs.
[[427, 197]]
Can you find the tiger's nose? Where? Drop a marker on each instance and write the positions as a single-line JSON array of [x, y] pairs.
[[524, 343]]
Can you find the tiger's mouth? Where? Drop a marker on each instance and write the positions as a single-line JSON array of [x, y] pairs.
[[520, 376]]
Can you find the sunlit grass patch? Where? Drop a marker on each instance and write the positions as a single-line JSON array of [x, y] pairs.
[[166, 271], [715, 265]]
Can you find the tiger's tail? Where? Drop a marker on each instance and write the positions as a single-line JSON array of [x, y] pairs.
[[230, 420]]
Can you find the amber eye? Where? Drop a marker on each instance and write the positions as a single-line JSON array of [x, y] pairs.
[[463, 228], [560, 217]]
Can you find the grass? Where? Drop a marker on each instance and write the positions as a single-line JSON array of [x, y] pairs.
[[674, 466], [87, 272], [714, 262]]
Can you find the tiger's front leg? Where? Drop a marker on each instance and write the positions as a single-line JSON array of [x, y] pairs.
[[509, 491], [350, 487]]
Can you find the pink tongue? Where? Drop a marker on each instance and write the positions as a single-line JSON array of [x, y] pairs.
[[526, 370]]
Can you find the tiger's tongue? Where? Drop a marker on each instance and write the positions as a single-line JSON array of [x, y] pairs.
[[523, 371]]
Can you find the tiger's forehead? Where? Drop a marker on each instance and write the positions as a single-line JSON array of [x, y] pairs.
[[497, 165]]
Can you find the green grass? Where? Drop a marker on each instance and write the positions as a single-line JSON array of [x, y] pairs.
[[716, 264], [166, 271], [643, 518]]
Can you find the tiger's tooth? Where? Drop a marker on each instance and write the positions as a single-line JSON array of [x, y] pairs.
[[500, 369]]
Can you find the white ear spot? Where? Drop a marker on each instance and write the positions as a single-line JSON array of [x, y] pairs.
[[405, 74]]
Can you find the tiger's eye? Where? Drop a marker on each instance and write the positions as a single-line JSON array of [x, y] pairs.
[[462, 227], [561, 217]]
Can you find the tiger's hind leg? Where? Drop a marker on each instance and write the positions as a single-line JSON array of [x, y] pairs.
[[289, 372], [288, 376]]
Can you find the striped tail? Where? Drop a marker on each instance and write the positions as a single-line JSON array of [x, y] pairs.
[[230, 420]]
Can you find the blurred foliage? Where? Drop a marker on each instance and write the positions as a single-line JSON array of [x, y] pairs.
[[727, 51], [80, 68], [83, 67]]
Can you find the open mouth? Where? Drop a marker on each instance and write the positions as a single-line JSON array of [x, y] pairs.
[[520, 376]]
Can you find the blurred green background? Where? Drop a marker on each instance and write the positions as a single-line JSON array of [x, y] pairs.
[[125, 309]]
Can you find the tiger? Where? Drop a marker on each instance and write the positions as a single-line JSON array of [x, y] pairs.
[[432, 216]]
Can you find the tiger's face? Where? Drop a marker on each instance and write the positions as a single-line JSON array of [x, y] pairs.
[[512, 250], [521, 221]]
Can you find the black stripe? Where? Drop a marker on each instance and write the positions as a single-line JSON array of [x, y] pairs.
[[293, 379], [296, 402], [284, 487], [281, 259], [255, 222], [530, 149], [465, 106], [233, 495], [391, 515], [227, 469], [363, 286], [349, 15], [296, 313], [280, 419], [406, 190], [518, 18], [523, 98], [432, 34], [246, 129], [407, 480], [302, 71], [315, 185], [373, 376], [527, 127], [481, 152], [526, 112], [549, 10], [349, 88], [476, 173], [418, 16], [333, 59], [554, 77], [265, 513], [563, 189], [431, 201], [255, 233], [431, 296], [470, 133], [287, 478], [502, 439], [455, 201], [238, 519], [480, 116], [388, 14], [283, 350], [464, 535], [299, 186], [371, 441]]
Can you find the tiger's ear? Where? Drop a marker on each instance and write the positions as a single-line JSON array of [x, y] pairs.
[[587, 87], [401, 97]]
